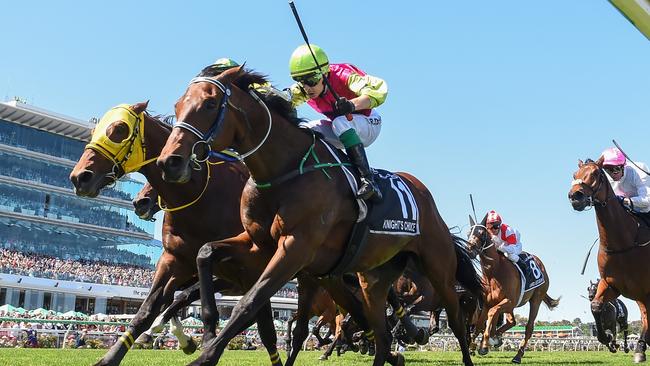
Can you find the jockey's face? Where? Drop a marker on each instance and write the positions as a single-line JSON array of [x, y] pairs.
[[314, 91], [615, 171], [493, 228]]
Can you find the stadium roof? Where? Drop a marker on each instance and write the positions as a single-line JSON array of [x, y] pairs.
[[42, 119]]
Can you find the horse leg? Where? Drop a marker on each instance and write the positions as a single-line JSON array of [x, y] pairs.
[[330, 348], [490, 324], [532, 314], [604, 294], [509, 323], [185, 342], [434, 321], [306, 293], [315, 331], [287, 339], [374, 286], [266, 330], [639, 351], [419, 335], [288, 259], [479, 327], [622, 323], [160, 295]]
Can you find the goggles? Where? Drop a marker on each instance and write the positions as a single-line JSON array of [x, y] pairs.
[[613, 169], [310, 80]]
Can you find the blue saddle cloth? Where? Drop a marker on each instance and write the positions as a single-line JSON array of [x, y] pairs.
[[532, 275], [397, 213]]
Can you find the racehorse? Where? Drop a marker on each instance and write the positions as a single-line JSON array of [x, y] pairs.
[[305, 215], [145, 203], [504, 289], [118, 147], [623, 253], [613, 313]]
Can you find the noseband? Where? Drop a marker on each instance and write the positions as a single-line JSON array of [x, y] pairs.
[[483, 247], [208, 137]]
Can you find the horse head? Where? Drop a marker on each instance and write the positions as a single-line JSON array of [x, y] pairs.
[[478, 238], [212, 114], [115, 149], [146, 203], [591, 290], [589, 185]]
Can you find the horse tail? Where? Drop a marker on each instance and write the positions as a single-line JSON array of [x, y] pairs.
[[466, 273], [550, 302]]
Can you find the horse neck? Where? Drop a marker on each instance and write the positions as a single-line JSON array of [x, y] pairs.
[[616, 227], [155, 137], [282, 150], [491, 262]]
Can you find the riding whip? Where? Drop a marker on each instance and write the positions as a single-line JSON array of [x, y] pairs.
[[304, 36], [584, 265], [471, 199], [628, 158]]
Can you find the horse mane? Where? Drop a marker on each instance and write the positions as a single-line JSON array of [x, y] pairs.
[[166, 121], [247, 80]]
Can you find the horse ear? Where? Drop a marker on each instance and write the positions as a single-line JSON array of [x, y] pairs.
[[580, 163], [471, 221], [140, 107], [599, 162]]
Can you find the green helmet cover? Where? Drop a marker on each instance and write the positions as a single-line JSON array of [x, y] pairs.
[[302, 62]]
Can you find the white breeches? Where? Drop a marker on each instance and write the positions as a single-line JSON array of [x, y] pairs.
[[367, 128]]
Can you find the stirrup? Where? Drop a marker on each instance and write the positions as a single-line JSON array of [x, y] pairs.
[[369, 191]]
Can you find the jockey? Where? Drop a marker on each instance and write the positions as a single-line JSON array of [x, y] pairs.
[[506, 239], [629, 183], [359, 95]]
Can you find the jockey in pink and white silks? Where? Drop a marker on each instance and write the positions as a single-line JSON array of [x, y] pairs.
[[358, 96], [629, 183], [506, 239]]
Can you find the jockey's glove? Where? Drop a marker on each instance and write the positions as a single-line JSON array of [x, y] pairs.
[[343, 106]]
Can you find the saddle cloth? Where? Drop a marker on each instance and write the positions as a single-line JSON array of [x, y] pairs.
[[530, 274], [396, 214]]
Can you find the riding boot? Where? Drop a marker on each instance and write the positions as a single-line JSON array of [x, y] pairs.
[[525, 268], [368, 189]]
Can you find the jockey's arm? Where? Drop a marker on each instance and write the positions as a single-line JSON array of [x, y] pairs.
[[372, 91], [641, 201]]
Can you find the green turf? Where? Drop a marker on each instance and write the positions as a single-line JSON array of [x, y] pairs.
[[52, 357]]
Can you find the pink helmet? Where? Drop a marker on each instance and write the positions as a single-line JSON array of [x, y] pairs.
[[493, 217], [613, 156]]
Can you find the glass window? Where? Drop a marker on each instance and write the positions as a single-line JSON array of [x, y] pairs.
[[44, 142]]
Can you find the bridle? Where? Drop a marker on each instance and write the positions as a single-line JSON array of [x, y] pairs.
[[592, 201], [207, 137], [483, 238]]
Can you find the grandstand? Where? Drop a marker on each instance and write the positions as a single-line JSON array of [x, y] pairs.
[[59, 251]]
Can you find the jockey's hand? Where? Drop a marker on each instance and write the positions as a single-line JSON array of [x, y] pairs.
[[627, 202], [344, 106]]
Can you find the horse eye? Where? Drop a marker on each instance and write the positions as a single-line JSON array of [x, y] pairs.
[[210, 104]]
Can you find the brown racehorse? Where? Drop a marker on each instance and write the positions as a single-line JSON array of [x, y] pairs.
[[623, 254], [504, 287], [304, 218], [213, 215]]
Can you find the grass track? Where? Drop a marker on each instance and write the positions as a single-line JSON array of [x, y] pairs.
[[52, 357]]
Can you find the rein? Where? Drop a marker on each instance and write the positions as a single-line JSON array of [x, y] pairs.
[[483, 247], [205, 187], [302, 169]]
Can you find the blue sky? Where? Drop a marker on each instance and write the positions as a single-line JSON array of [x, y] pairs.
[[498, 99]]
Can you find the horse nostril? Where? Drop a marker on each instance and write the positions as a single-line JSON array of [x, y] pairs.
[[577, 196], [142, 202], [85, 177]]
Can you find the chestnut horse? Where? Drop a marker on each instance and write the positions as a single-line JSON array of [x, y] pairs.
[[614, 313], [504, 288], [184, 230], [623, 253], [304, 215]]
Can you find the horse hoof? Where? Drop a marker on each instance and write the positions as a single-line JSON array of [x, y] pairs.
[[639, 357], [190, 348], [145, 340], [483, 351], [322, 358], [400, 359], [422, 337], [626, 350], [516, 359]]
